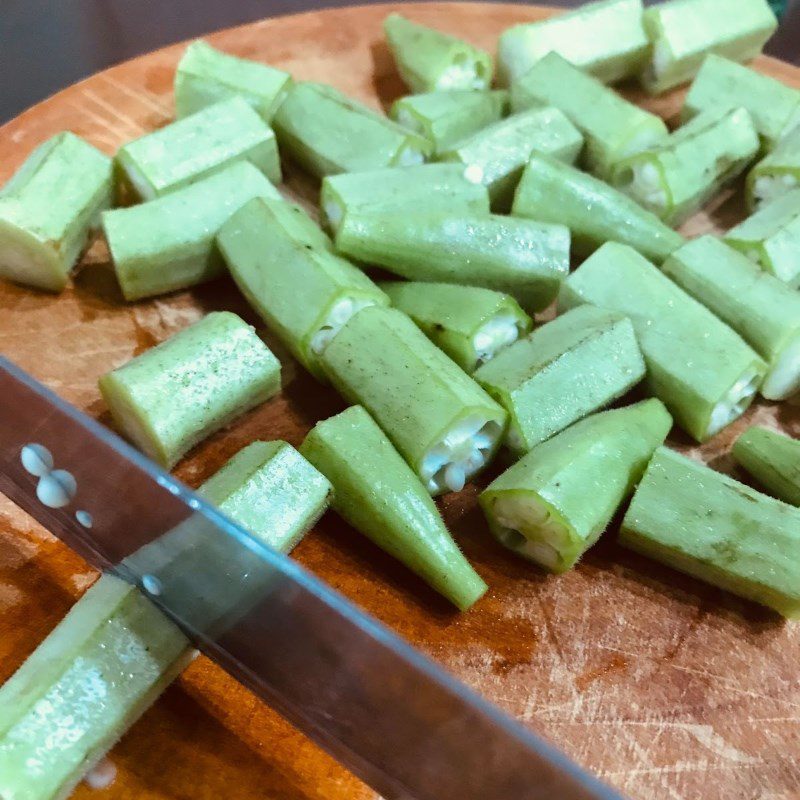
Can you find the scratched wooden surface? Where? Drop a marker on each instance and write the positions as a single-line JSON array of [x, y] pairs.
[[664, 687]]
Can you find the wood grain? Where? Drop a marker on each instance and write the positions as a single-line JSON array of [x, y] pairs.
[[664, 687]]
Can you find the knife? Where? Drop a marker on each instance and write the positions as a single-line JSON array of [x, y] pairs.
[[397, 721]]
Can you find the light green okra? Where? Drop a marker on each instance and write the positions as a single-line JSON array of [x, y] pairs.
[[773, 460], [777, 174]]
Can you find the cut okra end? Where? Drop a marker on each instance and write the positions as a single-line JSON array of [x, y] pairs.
[[783, 379], [735, 403], [335, 319], [766, 188]]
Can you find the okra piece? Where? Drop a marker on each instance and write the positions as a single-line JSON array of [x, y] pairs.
[[444, 187], [471, 324], [429, 60], [49, 207], [553, 505], [304, 294], [496, 156], [777, 174], [327, 132], [594, 212], [173, 396], [763, 310], [523, 258], [702, 371], [606, 39], [682, 175], [535, 378], [195, 147], [377, 493], [773, 460], [444, 425], [445, 118], [206, 76], [684, 32], [612, 128], [714, 528]]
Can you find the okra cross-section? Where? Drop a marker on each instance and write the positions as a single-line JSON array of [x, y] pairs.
[[773, 460], [553, 504], [704, 373], [48, 209], [712, 527], [444, 425], [381, 497], [568, 368], [181, 391], [777, 174]]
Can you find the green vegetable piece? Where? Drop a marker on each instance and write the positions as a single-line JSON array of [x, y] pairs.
[[553, 505], [679, 177], [593, 211], [684, 32], [777, 174], [181, 391], [381, 497], [773, 460], [206, 76], [606, 39], [535, 378], [764, 311], [703, 371], [327, 132], [48, 208], [429, 60], [444, 425], [714, 528], [469, 323], [525, 259]]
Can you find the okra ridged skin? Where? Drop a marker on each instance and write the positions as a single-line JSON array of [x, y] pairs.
[[612, 127], [206, 76], [523, 258], [553, 505], [445, 426], [773, 460], [327, 132], [777, 174], [716, 529], [304, 294], [173, 396], [684, 32], [429, 60], [703, 372], [594, 212], [469, 323], [380, 496], [606, 39], [570, 367], [763, 310], [49, 207]]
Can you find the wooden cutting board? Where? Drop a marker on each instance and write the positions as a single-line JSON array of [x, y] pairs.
[[664, 687]]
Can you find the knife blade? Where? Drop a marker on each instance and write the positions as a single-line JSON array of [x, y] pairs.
[[378, 706]]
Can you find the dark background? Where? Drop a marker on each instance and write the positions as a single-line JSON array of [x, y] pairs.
[[46, 45]]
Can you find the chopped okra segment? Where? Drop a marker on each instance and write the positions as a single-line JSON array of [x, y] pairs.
[[327, 132], [575, 365], [195, 147], [678, 177], [777, 174], [702, 371], [773, 460], [523, 258], [429, 60], [444, 425], [48, 209], [381, 497], [763, 310], [173, 396], [553, 505], [304, 294], [612, 127], [605, 38], [594, 212], [714, 528], [471, 324], [206, 75], [684, 32]]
